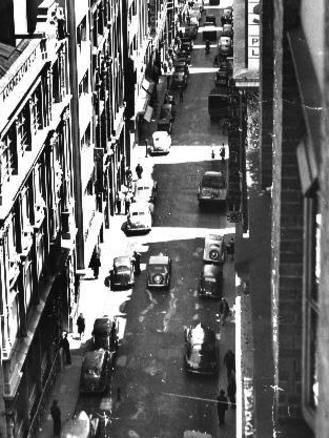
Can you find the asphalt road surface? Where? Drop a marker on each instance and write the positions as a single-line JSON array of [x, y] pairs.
[[151, 395]]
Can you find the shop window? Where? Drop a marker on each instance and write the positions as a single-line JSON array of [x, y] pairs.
[[8, 157], [312, 279]]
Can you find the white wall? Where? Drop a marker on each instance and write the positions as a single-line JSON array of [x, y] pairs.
[[312, 16]]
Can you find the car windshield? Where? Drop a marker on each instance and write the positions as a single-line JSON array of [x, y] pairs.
[[159, 268], [122, 268], [213, 181], [138, 213], [93, 372], [210, 279]]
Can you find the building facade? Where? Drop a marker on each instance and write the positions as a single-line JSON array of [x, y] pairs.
[[37, 218]]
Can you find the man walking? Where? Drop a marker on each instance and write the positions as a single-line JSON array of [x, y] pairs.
[[229, 362], [231, 389], [128, 199], [55, 413], [139, 170], [224, 310], [222, 405], [137, 262], [81, 325], [66, 348], [222, 152]]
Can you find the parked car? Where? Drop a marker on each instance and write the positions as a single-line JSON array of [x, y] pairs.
[[145, 190], [179, 79], [105, 333], [166, 118], [158, 271], [139, 218], [78, 426], [122, 273], [212, 188], [222, 78], [182, 65], [225, 46], [227, 30], [200, 350], [214, 249], [218, 102], [161, 143], [95, 371], [186, 45], [211, 281], [183, 54]]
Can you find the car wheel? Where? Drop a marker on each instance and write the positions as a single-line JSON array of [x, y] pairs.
[[214, 254]]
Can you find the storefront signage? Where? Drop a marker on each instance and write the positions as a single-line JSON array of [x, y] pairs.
[[253, 34], [249, 407], [21, 72]]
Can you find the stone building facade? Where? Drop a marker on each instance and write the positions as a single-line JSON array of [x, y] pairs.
[[37, 217]]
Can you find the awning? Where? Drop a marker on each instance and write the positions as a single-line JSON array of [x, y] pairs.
[[144, 96], [92, 237]]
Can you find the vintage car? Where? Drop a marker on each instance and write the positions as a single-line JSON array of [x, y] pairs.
[[183, 55], [158, 271], [212, 188], [179, 79], [211, 19], [139, 218], [145, 190], [122, 273], [161, 143], [186, 44], [77, 427], [200, 350], [222, 78], [227, 30], [225, 46], [105, 333], [214, 249], [95, 371], [211, 281], [182, 66]]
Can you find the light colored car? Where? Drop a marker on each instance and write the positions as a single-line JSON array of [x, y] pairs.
[[212, 188], [139, 218], [225, 46], [145, 190], [158, 271], [161, 143], [214, 249]]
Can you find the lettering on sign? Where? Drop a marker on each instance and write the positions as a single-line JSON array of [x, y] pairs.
[[249, 407]]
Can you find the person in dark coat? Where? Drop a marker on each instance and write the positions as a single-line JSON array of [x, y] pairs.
[[55, 413], [224, 310], [139, 170], [231, 389], [229, 362], [128, 200], [222, 152], [137, 262], [81, 325], [95, 263], [222, 405], [66, 348]]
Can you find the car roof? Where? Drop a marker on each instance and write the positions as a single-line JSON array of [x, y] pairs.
[[201, 333], [213, 173], [94, 359], [158, 134], [121, 260], [211, 270], [214, 238], [158, 260], [102, 325], [139, 206]]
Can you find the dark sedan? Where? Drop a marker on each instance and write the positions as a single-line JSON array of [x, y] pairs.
[[158, 271], [211, 281], [200, 350], [122, 274]]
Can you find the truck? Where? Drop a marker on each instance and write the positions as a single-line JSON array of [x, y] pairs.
[[218, 102]]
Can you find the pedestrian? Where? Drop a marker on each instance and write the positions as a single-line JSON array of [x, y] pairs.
[[129, 176], [55, 413], [229, 362], [81, 323], [95, 262], [212, 153], [65, 345], [128, 199], [232, 247], [181, 95], [137, 262], [139, 170], [224, 310], [231, 389], [183, 16], [118, 201], [222, 405], [222, 152]]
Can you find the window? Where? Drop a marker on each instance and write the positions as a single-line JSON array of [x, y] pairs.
[[23, 130], [8, 158], [311, 285], [36, 111]]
